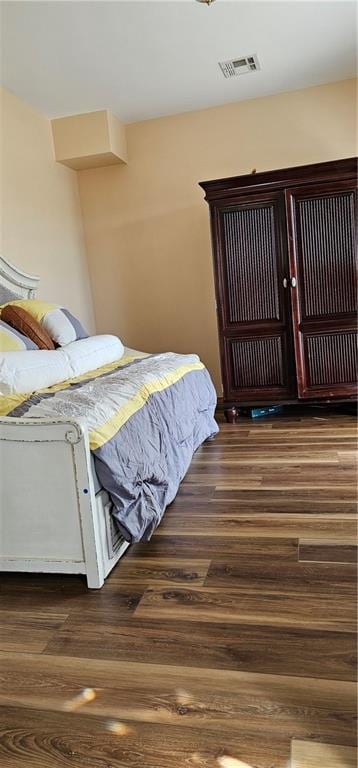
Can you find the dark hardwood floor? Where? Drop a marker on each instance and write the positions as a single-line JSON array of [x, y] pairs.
[[228, 641]]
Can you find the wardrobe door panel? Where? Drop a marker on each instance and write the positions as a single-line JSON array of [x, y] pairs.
[[257, 363], [322, 225], [251, 261], [254, 314]]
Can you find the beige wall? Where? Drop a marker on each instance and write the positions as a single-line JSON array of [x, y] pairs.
[[146, 224], [41, 227]]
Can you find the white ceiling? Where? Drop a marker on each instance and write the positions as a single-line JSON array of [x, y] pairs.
[[146, 59]]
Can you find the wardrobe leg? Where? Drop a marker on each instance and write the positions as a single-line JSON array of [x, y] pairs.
[[231, 415]]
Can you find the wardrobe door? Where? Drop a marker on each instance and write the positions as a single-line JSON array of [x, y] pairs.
[[253, 307], [322, 236]]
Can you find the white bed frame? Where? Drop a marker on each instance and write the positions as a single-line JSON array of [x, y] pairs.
[[51, 519]]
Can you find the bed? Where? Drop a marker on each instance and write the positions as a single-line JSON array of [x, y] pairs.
[[88, 466]]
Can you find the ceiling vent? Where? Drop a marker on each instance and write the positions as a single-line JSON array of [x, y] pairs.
[[240, 66]]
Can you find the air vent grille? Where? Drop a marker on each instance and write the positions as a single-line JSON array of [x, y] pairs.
[[240, 66]]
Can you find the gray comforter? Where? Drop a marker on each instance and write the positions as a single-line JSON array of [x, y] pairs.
[[146, 416]]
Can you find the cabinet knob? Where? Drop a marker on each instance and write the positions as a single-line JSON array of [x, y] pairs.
[[285, 282], [293, 282]]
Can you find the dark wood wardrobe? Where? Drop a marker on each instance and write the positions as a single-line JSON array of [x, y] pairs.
[[284, 249]]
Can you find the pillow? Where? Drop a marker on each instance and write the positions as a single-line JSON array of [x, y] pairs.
[[7, 295], [20, 373], [12, 340], [23, 322], [59, 323], [91, 353]]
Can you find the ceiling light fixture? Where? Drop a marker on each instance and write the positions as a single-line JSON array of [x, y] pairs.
[[207, 2]]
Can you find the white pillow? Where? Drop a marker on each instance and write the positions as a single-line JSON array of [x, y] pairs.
[[30, 370], [87, 354]]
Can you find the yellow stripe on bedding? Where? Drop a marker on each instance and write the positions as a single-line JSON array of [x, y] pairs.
[[90, 374], [101, 435], [10, 402]]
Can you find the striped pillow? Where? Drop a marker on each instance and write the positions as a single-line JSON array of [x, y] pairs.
[[12, 340], [59, 323]]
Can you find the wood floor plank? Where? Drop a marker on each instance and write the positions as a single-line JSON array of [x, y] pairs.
[[333, 475], [261, 447], [325, 486], [265, 576], [330, 474], [239, 525], [310, 431], [272, 609], [238, 437], [28, 631], [341, 493], [328, 551], [251, 454], [63, 740], [184, 546], [309, 754], [240, 482], [272, 650], [190, 490], [281, 506], [184, 697], [62, 594], [160, 570], [254, 469]]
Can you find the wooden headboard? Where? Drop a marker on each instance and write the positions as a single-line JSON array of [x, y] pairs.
[[16, 280]]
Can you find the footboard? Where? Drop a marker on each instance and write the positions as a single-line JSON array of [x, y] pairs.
[[50, 519]]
